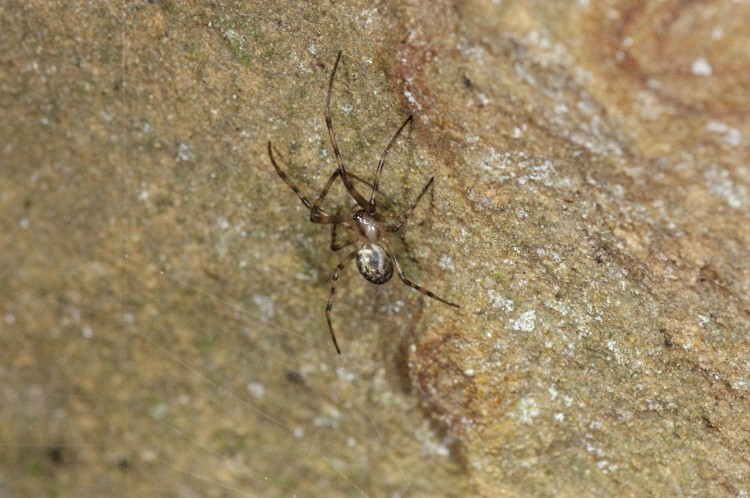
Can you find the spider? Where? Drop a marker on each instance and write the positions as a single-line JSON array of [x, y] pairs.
[[375, 256]]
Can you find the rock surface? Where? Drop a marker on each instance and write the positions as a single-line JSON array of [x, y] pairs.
[[162, 327]]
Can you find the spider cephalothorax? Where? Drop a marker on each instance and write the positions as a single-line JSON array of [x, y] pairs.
[[375, 257]]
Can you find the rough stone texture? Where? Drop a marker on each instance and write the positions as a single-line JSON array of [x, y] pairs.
[[162, 293]]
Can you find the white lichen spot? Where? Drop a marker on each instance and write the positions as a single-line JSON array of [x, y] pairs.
[[721, 185], [446, 262], [323, 422], [648, 105], [558, 306], [469, 372], [540, 172], [498, 301], [527, 410], [701, 67], [87, 332], [431, 445], [410, 97], [159, 411], [184, 152], [739, 384], [490, 161], [256, 389], [345, 375], [560, 417], [265, 306], [731, 135], [314, 138], [300, 65], [366, 17], [560, 108], [525, 322], [392, 308], [612, 346]]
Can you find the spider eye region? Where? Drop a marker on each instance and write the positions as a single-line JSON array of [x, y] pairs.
[[374, 263]]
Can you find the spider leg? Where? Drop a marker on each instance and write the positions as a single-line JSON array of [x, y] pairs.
[[412, 284], [334, 281], [342, 171], [382, 162], [370, 185], [397, 226], [316, 210], [317, 215], [286, 179], [336, 246], [327, 187]]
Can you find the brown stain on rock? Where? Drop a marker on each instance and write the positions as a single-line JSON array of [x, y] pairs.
[[444, 387], [640, 109]]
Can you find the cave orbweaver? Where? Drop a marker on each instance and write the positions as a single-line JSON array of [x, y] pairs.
[[375, 257]]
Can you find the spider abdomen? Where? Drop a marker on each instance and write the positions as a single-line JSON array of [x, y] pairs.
[[374, 263]]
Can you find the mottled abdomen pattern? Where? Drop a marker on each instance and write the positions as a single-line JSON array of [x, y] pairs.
[[374, 263]]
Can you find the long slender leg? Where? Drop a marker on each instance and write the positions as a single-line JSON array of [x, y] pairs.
[[315, 211], [412, 284], [370, 184], [326, 188], [344, 177], [397, 226], [382, 162], [334, 281], [317, 215], [334, 245], [286, 179]]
